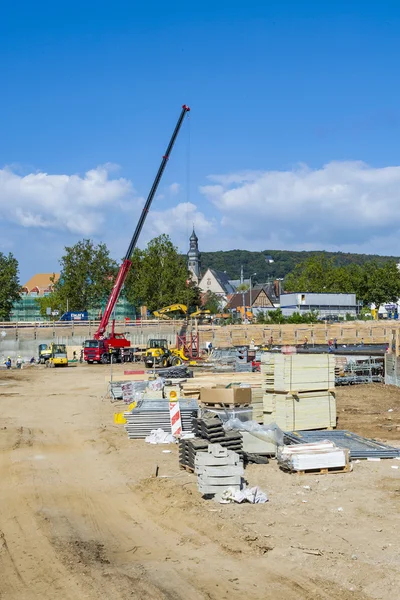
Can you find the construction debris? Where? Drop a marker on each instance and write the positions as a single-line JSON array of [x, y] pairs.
[[253, 495], [159, 436]]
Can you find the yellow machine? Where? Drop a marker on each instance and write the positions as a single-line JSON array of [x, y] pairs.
[[158, 354], [54, 355], [164, 313]]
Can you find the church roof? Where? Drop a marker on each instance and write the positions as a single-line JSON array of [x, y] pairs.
[[193, 237], [223, 281]]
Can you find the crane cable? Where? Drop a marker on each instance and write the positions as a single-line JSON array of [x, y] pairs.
[[187, 184]]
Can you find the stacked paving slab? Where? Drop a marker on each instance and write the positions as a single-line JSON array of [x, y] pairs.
[[217, 470], [207, 431], [299, 391]]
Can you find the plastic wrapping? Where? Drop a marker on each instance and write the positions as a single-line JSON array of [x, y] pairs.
[[228, 414], [268, 433], [159, 436], [324, 454], [156, 385], [253, 495]]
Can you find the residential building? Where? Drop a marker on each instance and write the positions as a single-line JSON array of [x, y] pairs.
[[40, 284], [259, 299], [325, 304]]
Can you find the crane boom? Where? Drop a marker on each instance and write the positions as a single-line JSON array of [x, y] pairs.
[[126, 265]]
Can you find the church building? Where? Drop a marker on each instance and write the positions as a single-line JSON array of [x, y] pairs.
[[194, 257]]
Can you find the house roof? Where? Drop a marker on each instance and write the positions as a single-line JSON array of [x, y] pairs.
[[236, 282], [40, 282], [236, 300], [272, 291], [223, 281]]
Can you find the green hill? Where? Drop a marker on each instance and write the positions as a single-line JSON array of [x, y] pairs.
[[284, 261]]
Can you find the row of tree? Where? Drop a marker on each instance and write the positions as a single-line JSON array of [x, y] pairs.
[[372, 282], [158, 277]]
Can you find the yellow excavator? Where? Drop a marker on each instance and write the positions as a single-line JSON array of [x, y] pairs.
[[53, 355], [164, 313]]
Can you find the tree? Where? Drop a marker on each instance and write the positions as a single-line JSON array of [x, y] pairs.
[[260, 318], [316, 274], [379, 284], [9, 285], [159, 277], [86, 279], [276, 316], [212, 302]]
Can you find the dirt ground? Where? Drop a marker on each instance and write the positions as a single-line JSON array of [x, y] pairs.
[[83, 516]]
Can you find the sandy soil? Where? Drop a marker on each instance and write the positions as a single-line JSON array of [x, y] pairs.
[[82, 515]]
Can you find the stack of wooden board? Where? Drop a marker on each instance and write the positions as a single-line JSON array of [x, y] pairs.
[[299, 391]]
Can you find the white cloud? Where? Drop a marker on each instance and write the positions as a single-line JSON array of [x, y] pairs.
[[70, 202], [174, 189], [343, 204], [177, 222]]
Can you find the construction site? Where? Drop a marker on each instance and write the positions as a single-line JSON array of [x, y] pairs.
[[92, 510], [183, 459]]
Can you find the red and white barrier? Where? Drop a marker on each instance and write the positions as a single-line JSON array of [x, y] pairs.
[[175, 415]]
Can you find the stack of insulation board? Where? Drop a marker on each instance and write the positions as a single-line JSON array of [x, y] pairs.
[[299, 390], [324, 456], [257, 403]]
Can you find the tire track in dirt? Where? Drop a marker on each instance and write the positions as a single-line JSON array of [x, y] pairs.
[[77, 526]]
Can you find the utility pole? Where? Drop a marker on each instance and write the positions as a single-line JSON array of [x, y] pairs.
[[251, 292]]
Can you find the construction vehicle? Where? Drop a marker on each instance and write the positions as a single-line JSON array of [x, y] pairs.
[[53, 355], [103, 347], [163, 313], [158, 354]]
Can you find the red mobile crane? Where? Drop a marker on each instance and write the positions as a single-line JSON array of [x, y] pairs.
[[101, 347]]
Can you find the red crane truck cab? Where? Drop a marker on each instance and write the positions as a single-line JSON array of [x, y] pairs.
[[100, 351]]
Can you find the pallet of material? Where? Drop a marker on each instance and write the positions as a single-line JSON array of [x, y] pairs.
[[323, 457], [308, 410], [298, 372], [257, 404]]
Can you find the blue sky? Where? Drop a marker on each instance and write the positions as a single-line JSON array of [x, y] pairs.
[[292, 140]]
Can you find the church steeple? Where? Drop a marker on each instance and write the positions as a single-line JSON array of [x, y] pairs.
[[194, 256]]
